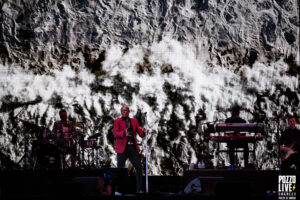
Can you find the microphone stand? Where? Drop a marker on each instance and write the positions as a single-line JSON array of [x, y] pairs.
[[81, 143], [277, 120], [81, 147], [146, 154], [81, 136], [278, 145], [26, 156]]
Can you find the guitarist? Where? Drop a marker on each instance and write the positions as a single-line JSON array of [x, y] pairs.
[[290, 147]]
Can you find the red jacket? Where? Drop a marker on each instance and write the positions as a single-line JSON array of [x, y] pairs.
[[121, 140]]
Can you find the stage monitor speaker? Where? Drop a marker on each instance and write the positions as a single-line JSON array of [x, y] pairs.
[[208, 184], [233, 189], [119, 179], [85, 186], [115, 172]]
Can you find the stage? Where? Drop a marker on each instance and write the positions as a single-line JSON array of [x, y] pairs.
[[82, 184]]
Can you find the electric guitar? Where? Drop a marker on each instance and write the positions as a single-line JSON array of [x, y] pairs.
[[286, 153]]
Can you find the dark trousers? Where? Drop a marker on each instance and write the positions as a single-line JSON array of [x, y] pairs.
[[286, 164], [134, 157], [232, 145]]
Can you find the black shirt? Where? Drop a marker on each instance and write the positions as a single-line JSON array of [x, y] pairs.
[[291, 137], [129, 130], [234, 120]]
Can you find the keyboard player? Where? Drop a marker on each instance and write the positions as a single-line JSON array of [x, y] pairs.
[[231, 145]]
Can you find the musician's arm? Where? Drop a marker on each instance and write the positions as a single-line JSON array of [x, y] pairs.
[[55, 128], [118, 133], [141, 131], [285, 148], [282, 148], [73, 127]]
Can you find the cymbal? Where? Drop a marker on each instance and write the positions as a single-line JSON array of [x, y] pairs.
[[94, 136]]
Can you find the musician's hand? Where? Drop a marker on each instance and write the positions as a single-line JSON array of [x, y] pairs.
[[288, 149], [143, 129], [126, 132], [78, 124]]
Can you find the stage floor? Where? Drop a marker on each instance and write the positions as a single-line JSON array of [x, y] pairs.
[[83, 184]]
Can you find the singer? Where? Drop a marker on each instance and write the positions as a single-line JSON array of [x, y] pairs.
[[125, 129]]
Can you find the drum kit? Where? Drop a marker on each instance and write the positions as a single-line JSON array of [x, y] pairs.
[[46, 151]]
